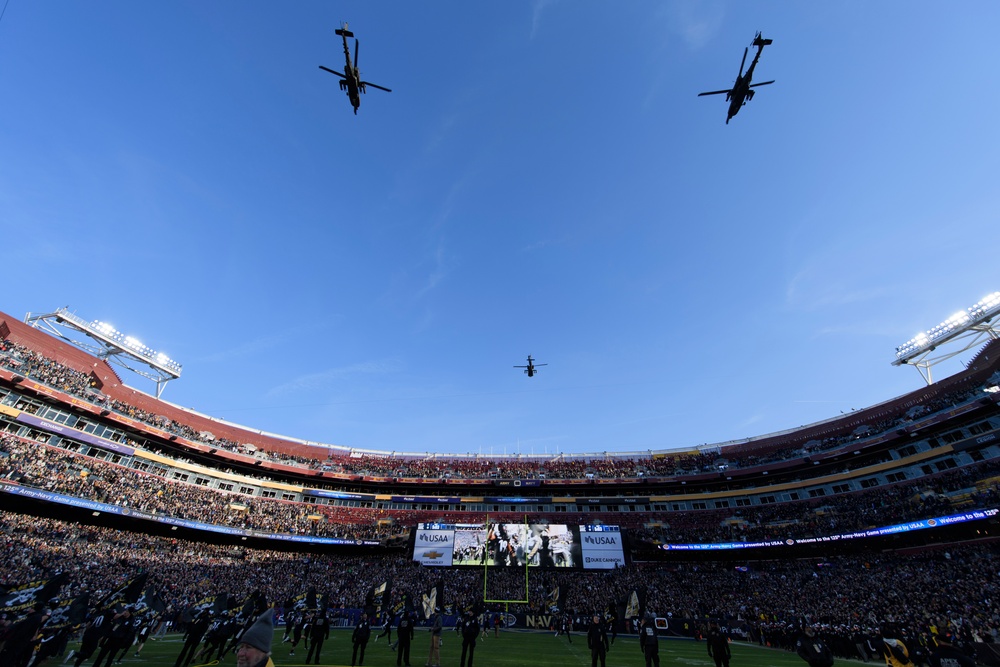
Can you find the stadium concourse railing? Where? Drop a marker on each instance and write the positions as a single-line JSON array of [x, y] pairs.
[[967, 399]]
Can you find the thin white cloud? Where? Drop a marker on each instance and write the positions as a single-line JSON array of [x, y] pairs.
[[750, 421], [248, 348], [818, 286], [696, 21], [878, 330], [536, 15], [315, 381], [439, 270]]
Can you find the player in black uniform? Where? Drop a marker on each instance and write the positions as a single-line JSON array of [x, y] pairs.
[[121, 631], [145, 628], [300, 624], [319, 631], [215, 639], [649, 643], [128, 639], [718, 646], [94, 631], [404, 635], [386, 629], [597, 641], [362, 631], [564, 627], [289, 624], [469, 626], [196, 630], [612, 618]]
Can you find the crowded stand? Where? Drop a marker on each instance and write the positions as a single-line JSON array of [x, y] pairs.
[[37, 465], [764, 601], [59, 471], [28, 363], [976, 486]]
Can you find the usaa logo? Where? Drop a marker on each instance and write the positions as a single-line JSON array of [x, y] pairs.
[[425, 537]]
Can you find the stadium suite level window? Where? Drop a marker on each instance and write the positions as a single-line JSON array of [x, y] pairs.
[[946, 464], [981, 427]]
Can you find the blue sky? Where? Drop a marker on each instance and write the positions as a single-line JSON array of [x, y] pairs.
[[542, 180]]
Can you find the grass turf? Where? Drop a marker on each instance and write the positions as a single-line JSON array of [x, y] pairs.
[[513, 648]]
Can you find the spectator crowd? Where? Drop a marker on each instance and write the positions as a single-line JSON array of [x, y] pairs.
[[50, 468], [926, 593], [24, 361]]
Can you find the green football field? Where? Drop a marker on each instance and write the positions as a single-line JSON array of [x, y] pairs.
[[512, 649]]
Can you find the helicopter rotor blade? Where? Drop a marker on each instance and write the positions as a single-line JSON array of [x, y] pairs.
[[357, 44], [762, 83], [332, 71], [744, 61], [715, 92], [375, 85]]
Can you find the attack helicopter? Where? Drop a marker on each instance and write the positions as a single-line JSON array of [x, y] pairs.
[[350, 80], [742, 90], [531, 368]]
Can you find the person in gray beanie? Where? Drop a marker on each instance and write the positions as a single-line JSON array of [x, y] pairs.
[[254, 648]]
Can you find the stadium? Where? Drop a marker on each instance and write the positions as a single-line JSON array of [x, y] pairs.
[[880, 521]]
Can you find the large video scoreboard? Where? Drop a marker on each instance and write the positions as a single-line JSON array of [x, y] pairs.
[[545, 546]]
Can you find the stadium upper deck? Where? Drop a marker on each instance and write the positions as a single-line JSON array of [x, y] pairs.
[[61, 372]]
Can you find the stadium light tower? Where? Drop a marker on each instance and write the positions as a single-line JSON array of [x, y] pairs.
[[110, 345], [970, 327]]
